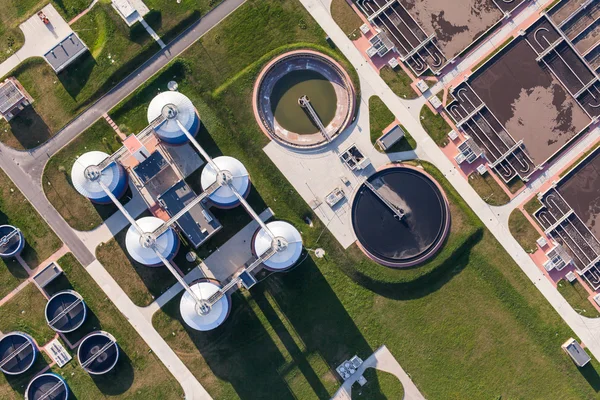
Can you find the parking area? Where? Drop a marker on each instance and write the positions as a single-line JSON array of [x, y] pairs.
[[40, 37]]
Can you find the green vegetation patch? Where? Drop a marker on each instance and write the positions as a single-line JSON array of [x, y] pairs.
[[25, 313], [471, 310], [577, 297], [115, 51], [523, 231], [488, 189], [532, 205], [435, 126], [380, 385], [169, 18], [399, 82], [346, 18], [77, 210], [380, 117], [139, 374], [41, 242]]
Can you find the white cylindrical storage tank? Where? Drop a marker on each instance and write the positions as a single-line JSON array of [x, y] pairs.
[[174, 106], [98, 353], [17, 353], [288, 243], [11, 241], [231, 169], [193, 314], [65, 311], [141, 247], [86, 177], [48, 386]]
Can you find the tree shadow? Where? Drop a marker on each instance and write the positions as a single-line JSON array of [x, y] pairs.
[[119, 379], [425, 284], [591, 376], [29, 129], [76, 76]]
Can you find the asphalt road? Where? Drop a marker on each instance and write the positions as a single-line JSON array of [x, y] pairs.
[[25, 168]]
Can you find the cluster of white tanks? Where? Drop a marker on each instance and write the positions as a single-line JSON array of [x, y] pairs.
[[178, 110]]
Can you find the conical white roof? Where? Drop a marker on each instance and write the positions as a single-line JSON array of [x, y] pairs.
[[241, 181], [215, 317], [166, 243], [285, 258], [184, 113], [82, 179]]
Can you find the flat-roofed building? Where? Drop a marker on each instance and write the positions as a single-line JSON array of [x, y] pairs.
[[127, 11], [65, 52], [13, 98], [576, 352]]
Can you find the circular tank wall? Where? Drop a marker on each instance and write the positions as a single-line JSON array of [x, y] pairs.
[[11, 241], [86, 177], [139, 246], [234, 170], [174, 106], [98, 353], [48, 386], [287, 239], [204, 321], [402, 219], [303, 74], [65, 311], [17, 353]]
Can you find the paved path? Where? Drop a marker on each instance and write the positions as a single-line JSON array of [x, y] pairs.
[[39, 38], [383, 360], [193, 389], [25, 170], [588, 330]]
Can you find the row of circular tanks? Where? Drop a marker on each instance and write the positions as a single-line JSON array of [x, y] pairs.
[[176, 106], [97, 353]]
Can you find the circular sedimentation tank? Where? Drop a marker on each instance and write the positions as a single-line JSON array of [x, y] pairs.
[[287, 243], [141, 246], [86, 176], [17, 353], [400, 216], [65, 311], [174, 106], [98, 353], [231, 170], [49, 386], [11, 241], [203, 318], [315, 77]]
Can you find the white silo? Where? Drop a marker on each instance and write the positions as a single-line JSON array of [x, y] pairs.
[[174, 106], [86, 177], [208, 317], [231, 170], [141, 247], [287, 242]]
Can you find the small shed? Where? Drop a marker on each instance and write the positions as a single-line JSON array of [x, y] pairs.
[[13, 98], [391, 135], [576, 352]]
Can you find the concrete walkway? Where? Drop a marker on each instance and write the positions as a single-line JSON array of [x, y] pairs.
[[39, 37], [382, 359], [152, 33], [193, 388], [586, 329]]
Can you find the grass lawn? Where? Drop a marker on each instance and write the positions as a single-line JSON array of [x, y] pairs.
[[515, 184], [380, 117], [169, 19], [488, 189], [78, 211], [435, 126], [577, 297], [399, 82], [115, 50], [41, 242], [346, 18], [25, 313], [14, 12], [532, 205], [138, 374], [380, 385], [467, 325], [523, 231]]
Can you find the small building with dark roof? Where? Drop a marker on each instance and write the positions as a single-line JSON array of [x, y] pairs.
[[65, 52], [576, 352], [13, 98]]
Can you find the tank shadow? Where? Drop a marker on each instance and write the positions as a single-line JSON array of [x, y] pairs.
[[117, 381], [19, 382]]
